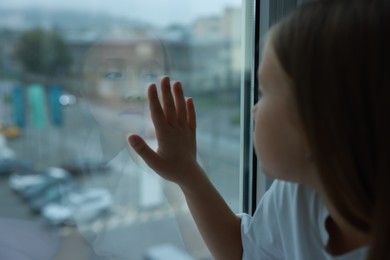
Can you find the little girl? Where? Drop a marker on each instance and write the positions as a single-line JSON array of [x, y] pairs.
[[321, 130]]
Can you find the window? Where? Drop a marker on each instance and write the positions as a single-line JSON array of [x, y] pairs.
[[73, 78], [269, 12]]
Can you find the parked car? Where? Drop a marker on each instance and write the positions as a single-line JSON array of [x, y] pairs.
[[52, 194], [81, 205], [6, 153], [9, 131], [31, 185], [9, 166], [20, 180], [81, 166]]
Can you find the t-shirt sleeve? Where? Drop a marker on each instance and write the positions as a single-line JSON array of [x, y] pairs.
[[250, 250], [260, 234]]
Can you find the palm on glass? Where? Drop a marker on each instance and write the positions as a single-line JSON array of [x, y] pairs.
[[174, 120]]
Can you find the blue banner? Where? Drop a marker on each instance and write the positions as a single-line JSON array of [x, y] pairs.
[[56, 115], [37, 102], [18, 106]]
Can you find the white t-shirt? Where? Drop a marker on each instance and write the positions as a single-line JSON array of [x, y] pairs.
[[289, 223]]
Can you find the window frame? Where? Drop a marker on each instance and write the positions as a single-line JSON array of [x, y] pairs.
[[250, 60], [258, 17]]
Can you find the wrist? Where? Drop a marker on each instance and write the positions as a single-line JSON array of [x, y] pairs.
[[195, 181]]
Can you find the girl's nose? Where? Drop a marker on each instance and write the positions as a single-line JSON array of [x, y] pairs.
[[132, 94], [254, 108]]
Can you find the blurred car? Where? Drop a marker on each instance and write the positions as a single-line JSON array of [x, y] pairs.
[[81, 205], [5, 151], [52, 194], [9, 166], [9, 131], [20, 180], [81, 166], [31, 185]]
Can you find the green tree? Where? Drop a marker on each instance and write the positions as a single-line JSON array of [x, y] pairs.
[[43, 52]]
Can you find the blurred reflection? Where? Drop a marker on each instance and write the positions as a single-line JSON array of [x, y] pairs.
[[86, 134], [117, 71]]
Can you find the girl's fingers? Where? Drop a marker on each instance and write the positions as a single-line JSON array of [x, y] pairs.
[[175, 108], [181, 108], [168, 101], [148, 155], [156, 110], [191, 115]]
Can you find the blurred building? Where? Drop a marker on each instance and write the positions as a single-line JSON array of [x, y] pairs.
[[216, 51], [9, 66], [205, 56]]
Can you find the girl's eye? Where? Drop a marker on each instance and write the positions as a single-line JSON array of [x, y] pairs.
[[149, 77], [113, 75]]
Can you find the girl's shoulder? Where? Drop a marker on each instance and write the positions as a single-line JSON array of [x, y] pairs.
[[292, 195], [287, 222], [294, 216]]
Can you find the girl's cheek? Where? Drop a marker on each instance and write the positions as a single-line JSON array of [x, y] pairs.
[[254, 109], [260, 131]]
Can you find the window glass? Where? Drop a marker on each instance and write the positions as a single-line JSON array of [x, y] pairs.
[[73, 81]]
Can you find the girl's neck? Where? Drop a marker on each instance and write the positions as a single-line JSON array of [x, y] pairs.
[[343, 237]]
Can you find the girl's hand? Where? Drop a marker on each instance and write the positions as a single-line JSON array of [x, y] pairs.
[[175, 125], [175, 160]]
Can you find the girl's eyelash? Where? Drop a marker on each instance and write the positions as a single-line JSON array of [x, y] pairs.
[[150, 77], [113, 75]]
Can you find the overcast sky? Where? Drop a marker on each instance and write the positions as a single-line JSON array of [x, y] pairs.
[[161, 12]]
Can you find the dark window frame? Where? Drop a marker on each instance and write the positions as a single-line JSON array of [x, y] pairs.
[[259, 16]]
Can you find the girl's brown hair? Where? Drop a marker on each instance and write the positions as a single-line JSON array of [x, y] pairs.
[[337, 53]]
